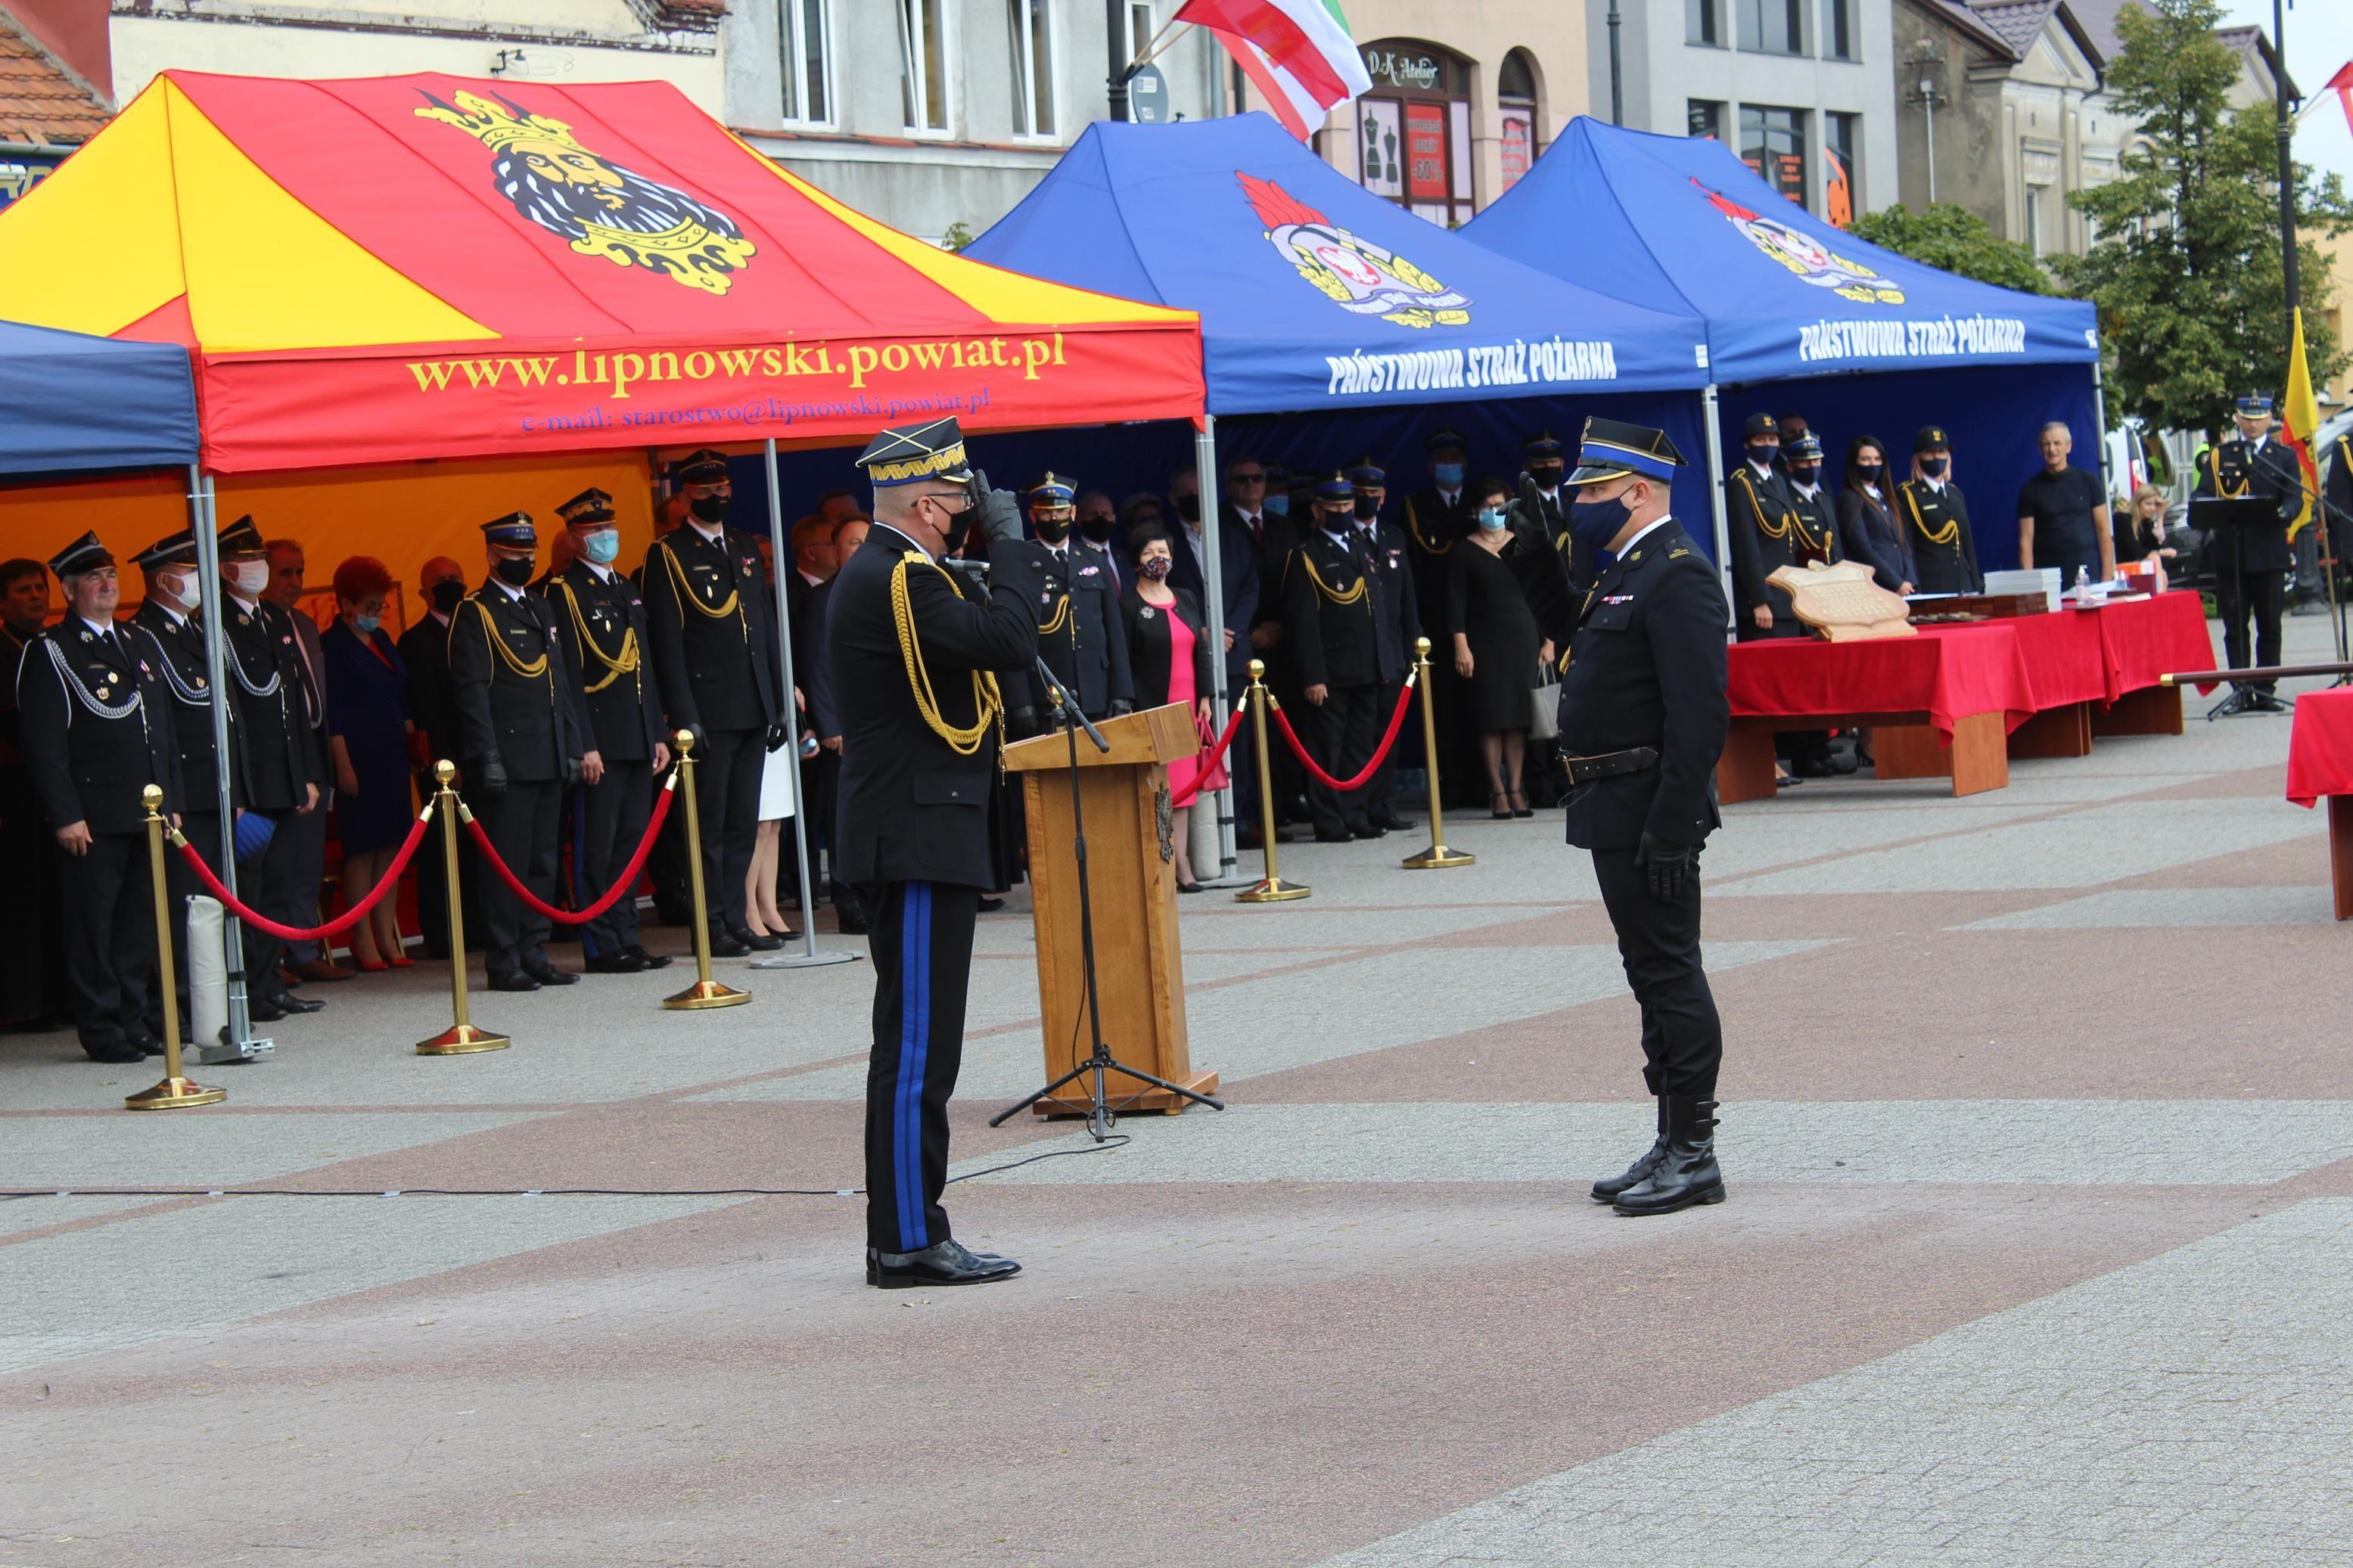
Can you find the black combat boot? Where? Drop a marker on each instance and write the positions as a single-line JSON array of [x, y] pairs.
[[1607, 1189], [1687, 1173]]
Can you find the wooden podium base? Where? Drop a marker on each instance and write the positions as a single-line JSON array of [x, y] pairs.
[[1147, 1098]]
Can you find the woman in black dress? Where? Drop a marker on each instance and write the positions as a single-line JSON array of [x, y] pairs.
[[1498, 650]]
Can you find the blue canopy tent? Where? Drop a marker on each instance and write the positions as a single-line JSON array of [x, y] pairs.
[[1885, 344], [76, 404]]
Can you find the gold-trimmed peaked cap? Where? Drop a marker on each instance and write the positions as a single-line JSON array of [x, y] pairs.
[[514, 531], [906, 453], [591, 508], [1613, 448]]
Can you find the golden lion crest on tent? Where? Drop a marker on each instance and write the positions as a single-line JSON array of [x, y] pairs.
[[1354, 273], [600, 207]]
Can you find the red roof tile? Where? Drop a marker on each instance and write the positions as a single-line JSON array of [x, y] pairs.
[[40, 101]]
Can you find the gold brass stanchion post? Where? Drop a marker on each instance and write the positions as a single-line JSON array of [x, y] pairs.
[[175, 1093], [462, 1038], [1271, 888], [705, 992], [1438, 854]]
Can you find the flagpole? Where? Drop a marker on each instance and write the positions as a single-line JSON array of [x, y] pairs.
[[2287, 161]]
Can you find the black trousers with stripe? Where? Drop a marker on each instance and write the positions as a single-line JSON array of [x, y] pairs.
[[1683, 1036], [611, 816], [1340, 734], [920, 941], [109, 938], [522, 824]]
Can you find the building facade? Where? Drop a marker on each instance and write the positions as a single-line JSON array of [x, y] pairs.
[[1802, 89], [54, 88]]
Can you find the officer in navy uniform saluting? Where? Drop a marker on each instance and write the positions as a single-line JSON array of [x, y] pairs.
[[1081, 634], [714, 650], [168, 614], [606, 638], [1643, 713], [98, 731], [1943, 549], [911, 649], [1340, 655], [2251, 579], [520, 738], [278, 760]]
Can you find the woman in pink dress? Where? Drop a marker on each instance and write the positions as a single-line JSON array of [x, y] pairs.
[[1170, 660]]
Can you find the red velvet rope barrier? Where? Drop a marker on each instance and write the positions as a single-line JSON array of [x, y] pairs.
[[629, 877], [334, 928], [1397, 722], [1214, 755]]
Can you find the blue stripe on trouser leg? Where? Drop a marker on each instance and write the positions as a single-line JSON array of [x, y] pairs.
[[914, 1031]]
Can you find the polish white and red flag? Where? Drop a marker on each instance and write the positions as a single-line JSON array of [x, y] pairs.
[[1299, 54]]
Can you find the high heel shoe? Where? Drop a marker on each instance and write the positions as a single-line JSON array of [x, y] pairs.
[[1505, 797], [369, 965], [1520, 804], [401, 961]]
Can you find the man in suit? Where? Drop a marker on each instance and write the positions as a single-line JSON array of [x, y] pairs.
[[1944, 550], [1331, 625], [715, 654], [433, 709], [1644, 714], [918, 828], [1254, 510], [98, 731], [1388, 558], [1436, 517], [821, 546], [1237, 572], [278, 761], [2250, 570], [521, 734], [601, 619], [32, 981], [306, 848]]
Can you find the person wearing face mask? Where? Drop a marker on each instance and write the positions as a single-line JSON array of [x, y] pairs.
[[1766, 533], [1169, 647], [1944, 551], [1814, 535], [1079, 635], [1543, 458], [278, 758], [715, 657], [1389, 557], [920, 830], [1496, 645], [424, 650], [1644, 714], [2252, 565], [368, 745], [520, 739], [1238, 565], [1334, 620], [169, 613], [601, 618], [1868, 531], [1093, 523], [32, 981], [305, 835]]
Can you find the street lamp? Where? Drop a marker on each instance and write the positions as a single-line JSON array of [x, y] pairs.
[[1927, 95]]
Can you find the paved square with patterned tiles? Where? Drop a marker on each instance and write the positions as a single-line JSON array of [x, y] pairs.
[[2036, 1123]]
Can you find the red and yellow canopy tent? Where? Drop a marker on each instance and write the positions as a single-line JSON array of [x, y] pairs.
[[558, 282]]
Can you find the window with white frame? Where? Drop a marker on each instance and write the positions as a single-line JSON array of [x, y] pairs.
[[1141, 25], [806, 41], [923, 64], [1033, 66]]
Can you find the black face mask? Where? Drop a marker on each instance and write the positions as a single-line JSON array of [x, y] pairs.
[[1935, 467], [1805, 473], [1763, 453], [1053, 530], [447, 596], [515, 571], [1189, 507], [1367, 507], [1595, 522], [709, 509], [1868, 472], [1097, 529], [1547, 475]]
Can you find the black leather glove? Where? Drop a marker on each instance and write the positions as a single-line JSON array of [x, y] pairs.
[[492, 776], [1120, 706], [1668, 864], [999, 514], [1526, 510], [1020, 724], [571, 772], [777, 737]]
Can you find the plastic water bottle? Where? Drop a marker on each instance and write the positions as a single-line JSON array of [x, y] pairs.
[[2083, 583]]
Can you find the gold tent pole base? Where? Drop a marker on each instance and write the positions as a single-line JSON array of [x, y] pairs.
[[706, 993], [1437, 857], [461, 1039], [1272, 890], [175, 1093]]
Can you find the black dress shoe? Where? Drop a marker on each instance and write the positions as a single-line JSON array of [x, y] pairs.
[[851, 925], [1370, 830], [615, 963], [647, 960], [262, 1010], [1607, 1189], [990, 905], [1398, 824], [723, 945], [149, 1045], [548, 975], [1342, 836], [515, 982], [948, 1263], [758, 942], [114, 1051], [1687, 1173], [292, 1004]]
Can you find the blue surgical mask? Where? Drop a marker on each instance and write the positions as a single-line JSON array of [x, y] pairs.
[[1448, 475], [367, 624], [1491, 519], [602, 545], [1595, 522], [1277, 506]]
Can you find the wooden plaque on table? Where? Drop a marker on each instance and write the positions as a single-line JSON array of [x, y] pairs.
[[1132, 875], [1842, 604]]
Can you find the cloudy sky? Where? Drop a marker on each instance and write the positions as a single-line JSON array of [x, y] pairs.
[[2319, 40]]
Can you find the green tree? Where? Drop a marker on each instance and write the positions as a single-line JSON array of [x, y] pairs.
[[2186, 271], [1945, 235]]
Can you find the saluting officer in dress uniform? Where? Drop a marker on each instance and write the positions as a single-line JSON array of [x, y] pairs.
[[98, 731], [1331, 625], [603, 618], [2250, 577], [912, 647], [278, 761], [1644, 714], [1389, 557], [1933, 508], [714, 646], [519, 731], [1081, 634], [169, 614]]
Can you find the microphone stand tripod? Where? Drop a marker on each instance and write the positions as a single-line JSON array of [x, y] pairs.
[[1101, 1115]]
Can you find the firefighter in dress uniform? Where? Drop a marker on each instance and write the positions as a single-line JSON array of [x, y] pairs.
[[1388, 558], [1944, 551], [2252, 567], [1081, 634], [1340, 657]]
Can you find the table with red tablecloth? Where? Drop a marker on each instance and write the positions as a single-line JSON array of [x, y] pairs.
[[2320, 766]]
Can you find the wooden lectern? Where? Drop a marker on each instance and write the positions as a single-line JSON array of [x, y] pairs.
[[1131, 867]]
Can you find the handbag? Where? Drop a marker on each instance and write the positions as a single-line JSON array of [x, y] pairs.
[[1543, 704]]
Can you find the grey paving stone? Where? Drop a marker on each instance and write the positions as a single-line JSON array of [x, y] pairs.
[[203, 1147], [2143, 908]]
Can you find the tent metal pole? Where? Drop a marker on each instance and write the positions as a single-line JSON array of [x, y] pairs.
[[1213, 616], [204, 521], [780, 550], [1715, 496]]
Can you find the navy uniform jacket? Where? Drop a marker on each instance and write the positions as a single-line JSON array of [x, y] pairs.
[[2236, 469], [432, 702], [911, 808], [277, 750], [85, 766], [1401, 620], [713, 619], [183, 668], [1332, 614], [1079, 635], [1646, 668], [602, 625], [529, 723], [1433, 526], [1947, 566], [1759, 516]]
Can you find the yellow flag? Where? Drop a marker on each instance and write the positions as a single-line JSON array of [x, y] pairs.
[[2301, 415]]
